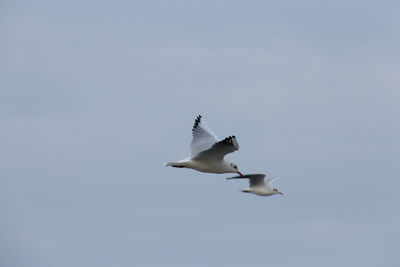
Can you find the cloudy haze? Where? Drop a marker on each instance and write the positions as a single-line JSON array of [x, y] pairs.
[[96, 95]]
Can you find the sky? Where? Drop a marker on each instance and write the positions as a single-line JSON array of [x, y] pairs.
[[96, 95]]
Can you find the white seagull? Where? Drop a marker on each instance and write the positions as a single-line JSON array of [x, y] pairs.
[[257, 185], [207, 152]]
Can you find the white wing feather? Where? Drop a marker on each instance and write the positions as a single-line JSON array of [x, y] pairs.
[[255, 180], [203, 138], [219, 149]]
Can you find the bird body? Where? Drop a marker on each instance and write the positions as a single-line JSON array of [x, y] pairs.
[[209, 166], [258, 186], [207, 152]]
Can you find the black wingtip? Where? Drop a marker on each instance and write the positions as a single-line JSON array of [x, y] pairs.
[[197, 121], [227, 140], [235, 177]]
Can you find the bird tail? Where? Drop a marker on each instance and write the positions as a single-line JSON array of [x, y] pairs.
[[176, 164]]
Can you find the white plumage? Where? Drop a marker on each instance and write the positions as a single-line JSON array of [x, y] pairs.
[[207, 152], [257, 185]]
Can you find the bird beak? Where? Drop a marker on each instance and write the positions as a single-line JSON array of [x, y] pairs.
[[281, 193], [240, 173]]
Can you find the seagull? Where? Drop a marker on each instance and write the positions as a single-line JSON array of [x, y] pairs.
[[207, 152], [257, 185]]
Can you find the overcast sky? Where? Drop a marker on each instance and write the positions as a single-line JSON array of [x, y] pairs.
[[96, 95]]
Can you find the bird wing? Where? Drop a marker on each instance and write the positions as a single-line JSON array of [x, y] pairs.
[[255, 180], [219, 149], [269, 182], [203, 138]]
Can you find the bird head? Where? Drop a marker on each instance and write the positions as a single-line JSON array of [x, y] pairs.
[[235, 168]]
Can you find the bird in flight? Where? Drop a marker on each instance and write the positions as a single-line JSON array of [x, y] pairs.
[[207, 151], [258, 186]]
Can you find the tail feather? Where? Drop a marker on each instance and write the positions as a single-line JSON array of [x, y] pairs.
[[176, 164]]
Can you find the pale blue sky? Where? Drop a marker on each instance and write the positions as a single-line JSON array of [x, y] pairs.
[[96, 95]]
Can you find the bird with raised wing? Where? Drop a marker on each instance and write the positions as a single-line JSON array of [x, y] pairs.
[[207, 151], [258, 186]]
